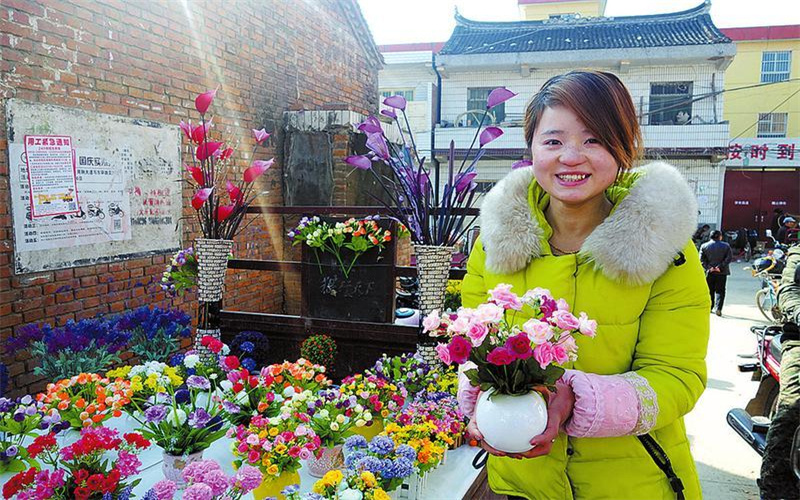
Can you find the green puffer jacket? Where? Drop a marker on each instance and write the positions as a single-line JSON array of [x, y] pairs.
[[639, 275]]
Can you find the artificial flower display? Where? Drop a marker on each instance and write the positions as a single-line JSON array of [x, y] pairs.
[[439, 409], [389, 461], [100, 464], [275, 445], [428, 444], [20, 419], [146, 381], [357, 236], [180, 275], [333, 414], [155, 333], [87, 399], [320, 349], [350, 485], [289, 378], [205, 480], [219, 215], [243, 395], [407, 369], [511, 358], [376, 394]]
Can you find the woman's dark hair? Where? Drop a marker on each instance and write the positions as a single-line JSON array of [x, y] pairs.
[[602, 103]]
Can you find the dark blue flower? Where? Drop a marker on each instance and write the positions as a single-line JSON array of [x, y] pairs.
[[249, 364], [381, 445], [182, 396], [352, 458], [247, 346]]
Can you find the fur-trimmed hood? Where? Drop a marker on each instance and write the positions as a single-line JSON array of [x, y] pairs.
[[635, 244]]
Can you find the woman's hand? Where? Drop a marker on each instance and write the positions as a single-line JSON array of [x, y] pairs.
[[474, 433], [559, 410]]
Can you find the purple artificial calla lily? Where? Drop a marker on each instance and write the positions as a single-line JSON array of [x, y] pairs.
[[377, 144], [521, 164], [490, 134], [388, 112], [359, 161], [498, 96], [422, 181], [260, 135], [464, 180], [370, 126], [395, 101]]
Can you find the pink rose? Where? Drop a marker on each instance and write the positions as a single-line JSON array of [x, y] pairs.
[[305, 454], [519, 345], [562, 305], [431, 321], [253, 456], [444, 354], [565, 320], [489, 313], [543, 354], [477, 332], [505, 298], [587, 326], [459, 350], [501, 356], [459, 326], [567, 341], [560, 354], [538, 331]]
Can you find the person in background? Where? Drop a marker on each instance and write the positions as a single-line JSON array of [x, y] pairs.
[[788, 224], [777, 479], [701, 235], [777, 220], [716, 256]]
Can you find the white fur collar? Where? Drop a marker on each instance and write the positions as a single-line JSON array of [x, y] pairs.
[[635, 244]]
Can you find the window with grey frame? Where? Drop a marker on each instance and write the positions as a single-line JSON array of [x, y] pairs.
[[772, 124], [476, 105], [408, 94], [670, 103], [775, 65]]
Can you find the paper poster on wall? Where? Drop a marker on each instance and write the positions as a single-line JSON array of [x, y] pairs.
[[126, 182], [51, 175]]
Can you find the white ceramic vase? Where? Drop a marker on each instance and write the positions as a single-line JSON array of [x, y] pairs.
[[508, 423]]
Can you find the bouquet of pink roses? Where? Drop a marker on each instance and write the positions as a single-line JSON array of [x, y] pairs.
[[511, 359]]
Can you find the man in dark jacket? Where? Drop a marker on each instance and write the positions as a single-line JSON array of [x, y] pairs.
[[777, 476], [789, 224], [716, 255]]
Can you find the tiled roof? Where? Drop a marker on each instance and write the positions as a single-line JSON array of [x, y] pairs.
[[690, 27]]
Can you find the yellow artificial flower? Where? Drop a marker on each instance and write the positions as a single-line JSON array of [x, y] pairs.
[[379, 494], [319, 487], [369, 479], [272, 470], [280, 448], [332, 477], [273, 431], [262, 434]]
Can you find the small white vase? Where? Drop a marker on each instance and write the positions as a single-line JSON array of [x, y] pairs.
[[173, 466], [508, 423]]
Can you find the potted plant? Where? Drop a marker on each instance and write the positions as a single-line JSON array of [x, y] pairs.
[[379, 396], [205, 479], [21, 419], [514, 362], [406, 369], [350, 485], [334, 416], [320, 349], [333, 285], [87, 399], [390, 462], [436, 222], [155, 333], [276, 446], [180, 274]]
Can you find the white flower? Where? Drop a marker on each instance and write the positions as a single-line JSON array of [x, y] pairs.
[[191, 360], [360, 422], [334, 426], [340, 418], [323, 413], [225, 349], [226, 385], [176, 416], [288, 392]]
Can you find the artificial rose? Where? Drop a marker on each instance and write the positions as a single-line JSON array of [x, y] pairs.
[[505, 298], [562, 305], [444, 354], [459, 349], [567, 341], [538, 331], [489, 313], [565, 320], [560, 354], [459, 327], [587, 326], [543, 354], [519, 345], [431, 322], [501, 356], [548, 307], [477, 332]]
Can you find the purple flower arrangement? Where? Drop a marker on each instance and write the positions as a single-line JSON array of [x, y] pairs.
[[205, 480], [180, 274], [88, 346], [19, 419], [431, 217], [154, 333], [406, 369]]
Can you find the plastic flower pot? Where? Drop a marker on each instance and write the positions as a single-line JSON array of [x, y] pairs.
[[508, 423], [330, 459], [370, 431], [272, 486], [173, 466]]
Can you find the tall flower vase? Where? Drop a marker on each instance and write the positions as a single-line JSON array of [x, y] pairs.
[[331, 459], [272, 486], [212, 263], [173, 466], [433, 270]]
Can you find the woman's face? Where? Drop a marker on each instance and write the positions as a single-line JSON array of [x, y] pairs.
[[568, 160]]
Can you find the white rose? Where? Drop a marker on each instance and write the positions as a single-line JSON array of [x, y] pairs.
[[340, 418], [323, 413], [191, 360], [334, 426], [360, 422]]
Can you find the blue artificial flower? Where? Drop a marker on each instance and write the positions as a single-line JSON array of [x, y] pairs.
[[182, 396], [381, 445], [355, 442], [406, 451], [292, 488], [371, 464], [249, 364], [353, 458], [6, 405], [247, 346], [150, 495]]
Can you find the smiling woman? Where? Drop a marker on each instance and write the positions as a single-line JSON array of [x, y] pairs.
[[580, 224]]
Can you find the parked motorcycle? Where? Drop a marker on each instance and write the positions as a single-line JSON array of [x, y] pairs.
[[752, 422], [407, 302]]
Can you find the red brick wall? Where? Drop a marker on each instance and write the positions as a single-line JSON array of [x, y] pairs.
[[149, 59]]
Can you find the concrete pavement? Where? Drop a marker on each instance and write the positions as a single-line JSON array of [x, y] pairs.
[[728, 467]]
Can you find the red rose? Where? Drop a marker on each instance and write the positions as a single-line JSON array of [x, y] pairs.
[[459, 349], [231, 362], [520, 346], [501, 356]]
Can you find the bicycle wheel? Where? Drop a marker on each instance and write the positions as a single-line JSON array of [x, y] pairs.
[[765, 304]]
